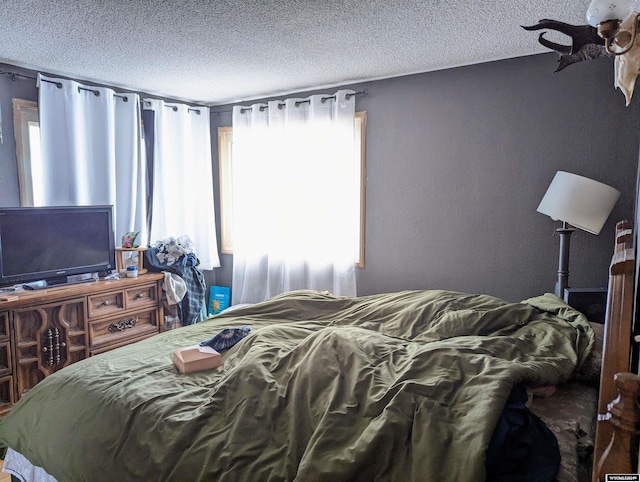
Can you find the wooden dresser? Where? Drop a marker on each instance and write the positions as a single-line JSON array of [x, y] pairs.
[[43, 331]]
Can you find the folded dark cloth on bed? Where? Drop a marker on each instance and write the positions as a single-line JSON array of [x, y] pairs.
[[522, 448], [226, 338]]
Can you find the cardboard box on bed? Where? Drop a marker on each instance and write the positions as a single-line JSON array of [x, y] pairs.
[[195, 358]]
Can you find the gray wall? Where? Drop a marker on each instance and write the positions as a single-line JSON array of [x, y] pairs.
[[458, 160]]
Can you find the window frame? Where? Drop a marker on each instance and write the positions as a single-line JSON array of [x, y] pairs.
[[25, 112], [225, 142]]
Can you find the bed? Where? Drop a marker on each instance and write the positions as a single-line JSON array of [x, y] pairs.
[[414, 385]]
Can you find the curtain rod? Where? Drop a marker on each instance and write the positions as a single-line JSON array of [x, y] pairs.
[[15, 75], [363, 92], [175, 108], [95, 91]]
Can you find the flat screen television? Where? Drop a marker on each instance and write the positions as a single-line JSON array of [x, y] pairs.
[[45, 246]]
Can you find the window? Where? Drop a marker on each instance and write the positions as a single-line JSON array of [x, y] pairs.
[[27, 132], [225, 141]]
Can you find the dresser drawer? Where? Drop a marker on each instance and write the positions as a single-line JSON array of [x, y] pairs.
[[105, 304], [129, 326], [5, 359], [128, 341], [141, 296], [7, 394], [4, 325]]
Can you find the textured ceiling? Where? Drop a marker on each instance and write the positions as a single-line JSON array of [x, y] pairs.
[[217, 52]]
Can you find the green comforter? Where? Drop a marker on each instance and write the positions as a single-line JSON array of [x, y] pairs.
[[404, 386]]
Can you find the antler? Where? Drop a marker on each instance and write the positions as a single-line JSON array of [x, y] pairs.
[[581, 35], [588, 52], [586, 44]]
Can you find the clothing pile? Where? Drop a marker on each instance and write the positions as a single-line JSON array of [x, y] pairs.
[[176, 256]]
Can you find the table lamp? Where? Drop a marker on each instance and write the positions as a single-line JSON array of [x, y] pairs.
[[578, 202]]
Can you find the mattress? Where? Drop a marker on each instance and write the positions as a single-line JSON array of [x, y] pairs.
[[399, 386]]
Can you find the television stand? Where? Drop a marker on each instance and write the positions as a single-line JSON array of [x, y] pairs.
[[44, 330]]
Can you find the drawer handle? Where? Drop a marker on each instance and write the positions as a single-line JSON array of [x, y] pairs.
[[53, 347], [139, 295], [122, 325], [106, 302]]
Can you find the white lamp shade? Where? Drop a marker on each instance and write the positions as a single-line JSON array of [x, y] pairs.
[[602, 10], [579, 201]]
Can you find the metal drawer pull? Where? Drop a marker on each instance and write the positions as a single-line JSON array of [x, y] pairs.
[[106, 302], [52, 347], [139, 295], [122, 325]]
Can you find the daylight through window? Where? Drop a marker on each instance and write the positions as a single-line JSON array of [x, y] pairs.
[[27, 132], [225, 140]]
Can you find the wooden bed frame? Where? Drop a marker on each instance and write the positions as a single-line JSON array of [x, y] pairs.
[[616, 449]]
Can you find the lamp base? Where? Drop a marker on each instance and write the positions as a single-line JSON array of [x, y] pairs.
[[565, 233]]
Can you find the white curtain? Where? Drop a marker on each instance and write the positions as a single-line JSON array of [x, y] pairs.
[[295, 205], [182, 195], [92, 150]]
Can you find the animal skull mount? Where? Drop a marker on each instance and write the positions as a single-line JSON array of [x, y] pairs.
[[627, 66], [586, 44]]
